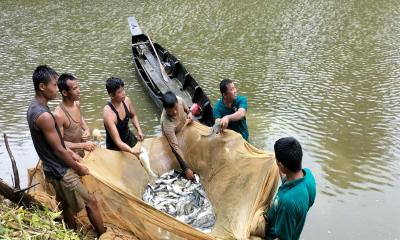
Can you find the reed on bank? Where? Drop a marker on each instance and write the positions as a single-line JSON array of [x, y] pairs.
[[21, 223]]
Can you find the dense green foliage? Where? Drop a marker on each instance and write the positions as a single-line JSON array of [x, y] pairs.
[[21, 223]]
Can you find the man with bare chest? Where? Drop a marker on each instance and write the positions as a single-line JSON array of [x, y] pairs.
[[72, 125]]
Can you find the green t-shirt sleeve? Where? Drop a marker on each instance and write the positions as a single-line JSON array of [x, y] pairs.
[[242, 102]]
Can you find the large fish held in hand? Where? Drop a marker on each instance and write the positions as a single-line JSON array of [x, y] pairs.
[[145, 161]]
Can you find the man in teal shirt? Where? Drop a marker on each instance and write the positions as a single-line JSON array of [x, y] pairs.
[[287, 214], [231, 109]]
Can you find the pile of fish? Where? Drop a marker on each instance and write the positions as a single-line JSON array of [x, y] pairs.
[[184, 199]]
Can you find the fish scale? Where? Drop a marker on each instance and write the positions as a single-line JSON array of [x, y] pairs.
[[185, 200]]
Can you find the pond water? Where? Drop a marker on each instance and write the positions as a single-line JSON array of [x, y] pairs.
[[325, 72]]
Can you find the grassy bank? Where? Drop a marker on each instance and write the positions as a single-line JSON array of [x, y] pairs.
[[21, 223]]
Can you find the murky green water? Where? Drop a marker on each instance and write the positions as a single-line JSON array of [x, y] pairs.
[[326, 72]]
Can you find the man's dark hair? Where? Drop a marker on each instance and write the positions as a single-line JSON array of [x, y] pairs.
[[288, 152], [223, 85], [42, 74], [113, 84], [62, 81], [169, 100]]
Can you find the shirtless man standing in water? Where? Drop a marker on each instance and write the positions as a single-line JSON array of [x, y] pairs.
[[72, 125]]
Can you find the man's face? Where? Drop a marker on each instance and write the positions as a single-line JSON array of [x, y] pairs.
[[50, 89], [119, 95], [73, 90], [230, 93], [172, 112]]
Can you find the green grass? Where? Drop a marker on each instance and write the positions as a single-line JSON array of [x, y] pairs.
[[21, 223]]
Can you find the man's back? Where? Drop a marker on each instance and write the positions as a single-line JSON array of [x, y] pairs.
[[287, 214]]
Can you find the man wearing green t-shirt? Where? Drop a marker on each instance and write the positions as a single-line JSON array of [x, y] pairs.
[[286, 216], [231, 109]]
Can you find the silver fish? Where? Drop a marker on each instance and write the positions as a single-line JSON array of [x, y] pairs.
[[145, 161], [185, 200], [165, 181], [215, 129]]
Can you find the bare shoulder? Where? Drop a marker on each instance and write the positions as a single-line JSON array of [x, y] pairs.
[[128, 101], [58, 110], [108, 114], [45, 121], [58, 113], [106, 109]]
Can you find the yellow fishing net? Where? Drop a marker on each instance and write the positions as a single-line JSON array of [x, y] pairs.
[[240, 181]]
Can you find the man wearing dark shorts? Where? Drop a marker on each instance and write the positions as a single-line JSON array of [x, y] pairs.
[[61, 166]]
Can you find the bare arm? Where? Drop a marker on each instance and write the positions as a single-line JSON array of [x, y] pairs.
[[239, 114], [185, 107], [46, 123], [189, 114], [75, 156], [109, 122], [59, 116], [88, 146], [135, 120], [86, 130], [85, 144], [84, 126]]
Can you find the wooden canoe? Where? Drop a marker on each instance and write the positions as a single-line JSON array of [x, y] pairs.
[[151, 59]]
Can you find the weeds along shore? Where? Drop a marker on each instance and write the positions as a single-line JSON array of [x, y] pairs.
[[17, 222]]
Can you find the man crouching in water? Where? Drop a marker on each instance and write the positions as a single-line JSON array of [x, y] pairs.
[[61, 169], [72, 125], [116, 115], [173, 118]]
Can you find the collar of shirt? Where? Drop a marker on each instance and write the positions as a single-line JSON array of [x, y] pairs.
[[233, 104], [289, 184]]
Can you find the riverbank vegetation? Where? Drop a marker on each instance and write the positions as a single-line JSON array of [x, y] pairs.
[[20, 223]]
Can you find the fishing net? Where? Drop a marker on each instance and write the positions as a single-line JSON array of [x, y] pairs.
[[239, 179]]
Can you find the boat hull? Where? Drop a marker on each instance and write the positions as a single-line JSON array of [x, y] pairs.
[[160, 71]]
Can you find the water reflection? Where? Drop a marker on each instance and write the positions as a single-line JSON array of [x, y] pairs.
[[322, 71], [311, 73]]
